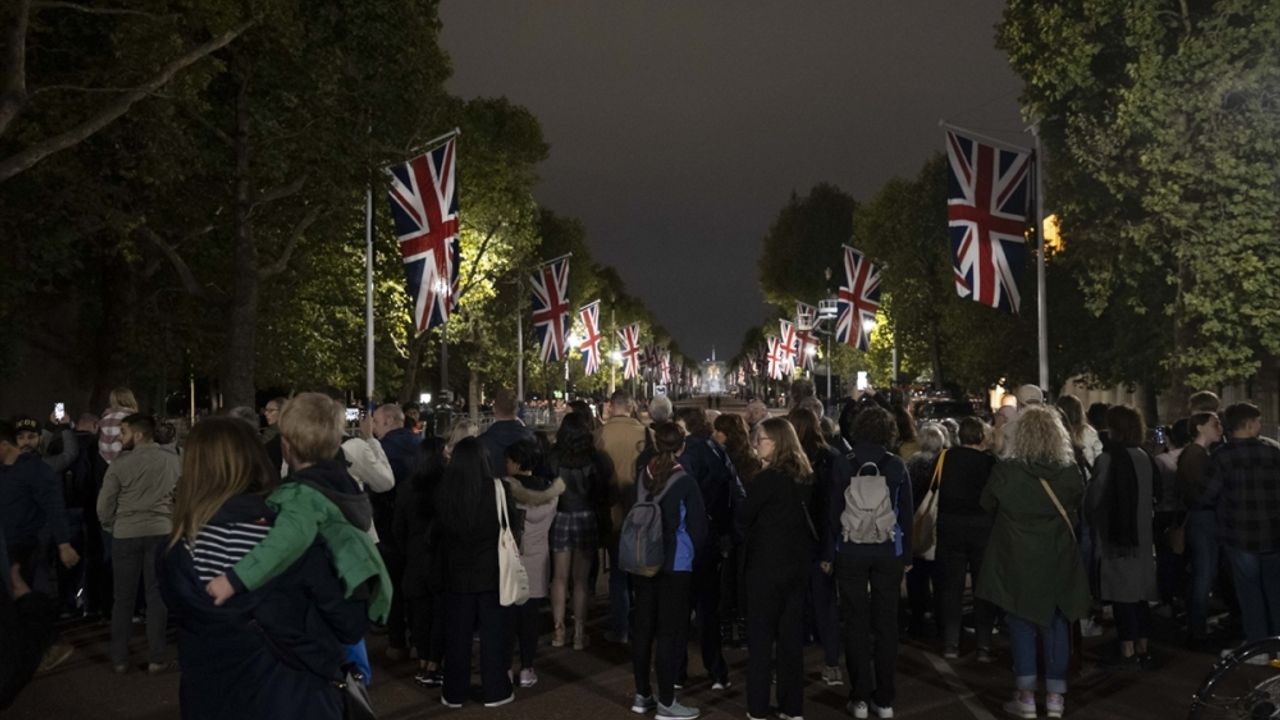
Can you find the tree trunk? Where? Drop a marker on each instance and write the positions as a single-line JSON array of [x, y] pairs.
[[242, 320], [473, 396], [1183, 338], [935, 353]]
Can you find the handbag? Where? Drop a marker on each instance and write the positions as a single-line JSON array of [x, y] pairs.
[[513, 580], [924, 526], [1061, 510]]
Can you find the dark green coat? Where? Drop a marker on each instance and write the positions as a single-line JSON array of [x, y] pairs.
[[1032, 564]]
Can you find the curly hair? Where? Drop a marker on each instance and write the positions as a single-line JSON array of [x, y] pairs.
[[1040, 436]]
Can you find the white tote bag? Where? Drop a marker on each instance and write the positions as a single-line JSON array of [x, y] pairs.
[[513, 581]]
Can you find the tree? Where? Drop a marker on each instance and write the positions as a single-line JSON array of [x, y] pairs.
[[802, 248], [1161, 127]]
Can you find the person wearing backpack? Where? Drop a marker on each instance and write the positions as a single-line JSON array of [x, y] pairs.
[[667, 505], [868, 545], [780, 539]]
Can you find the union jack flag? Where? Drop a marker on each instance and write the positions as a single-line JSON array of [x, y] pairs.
[[777, 358], [806, 318], [858, 301], [987, 200], [590, 347], [629, 344], [664, 367], [789, 342], [424, 204], [550, 287]]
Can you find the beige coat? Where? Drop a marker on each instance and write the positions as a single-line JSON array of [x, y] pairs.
[[622, 439], [136, 499]]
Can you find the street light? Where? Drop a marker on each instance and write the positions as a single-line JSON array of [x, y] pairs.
[[573, 342]]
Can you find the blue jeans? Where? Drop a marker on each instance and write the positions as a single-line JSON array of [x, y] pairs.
[[619, 597], [1257, 580], [1056, 639], [1202, 541]]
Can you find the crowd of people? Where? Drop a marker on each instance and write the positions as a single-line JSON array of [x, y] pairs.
[[275, 547]]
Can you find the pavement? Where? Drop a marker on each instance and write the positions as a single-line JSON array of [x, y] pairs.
[[597, 683]]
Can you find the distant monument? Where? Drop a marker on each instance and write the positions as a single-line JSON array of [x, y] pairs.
[[713, 373]]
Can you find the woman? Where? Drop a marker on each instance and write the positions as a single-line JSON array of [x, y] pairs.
[[1084, 438], [271, 653], [779, 548], [1170, 517], [1032, 568], [924, 581], [421, 585], [468, 521], [122, 405], [1202, 522], [869, 572], [536, 497], [662, 601], [964, 529], [576, 532], [461, 430], [827, 465], [730, 430], [1119, 506]]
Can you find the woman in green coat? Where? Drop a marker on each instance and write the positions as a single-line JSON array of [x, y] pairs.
[[1032, 567]]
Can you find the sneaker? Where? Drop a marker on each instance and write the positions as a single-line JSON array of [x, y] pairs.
[[721, 684], [882, 712], [784, 716], [55, 656], [1022, 706], [446, 703], [120, 669], [675, 711], [753, 717], [528, 678], [951, 652], [1054, 704], [500, 703], [643, 704], [1090, 628], [429, 678], [159, 668], [680, 683], [986, 656], [858, 709], [831, 676]]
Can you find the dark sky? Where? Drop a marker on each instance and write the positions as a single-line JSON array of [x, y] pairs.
[[679, 129]]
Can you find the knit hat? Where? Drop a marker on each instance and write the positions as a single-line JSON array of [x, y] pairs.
[[1029, 395]]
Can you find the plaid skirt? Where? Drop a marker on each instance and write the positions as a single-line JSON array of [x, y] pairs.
[[574, 531]]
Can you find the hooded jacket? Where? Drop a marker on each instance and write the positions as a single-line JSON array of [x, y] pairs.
[[31, 501], [322, 499], [265, 654], [536, 501]]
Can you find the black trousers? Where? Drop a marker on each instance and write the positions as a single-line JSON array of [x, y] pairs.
[[869, 616], [821, 603], [463, 613], [961, 545], [397, 620], [426, 621], [662, 613], [775, 624], [528, 628], [1133, 620], [706, 603]]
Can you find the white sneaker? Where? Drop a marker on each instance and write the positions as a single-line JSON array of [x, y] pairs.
[[446, 703], [784, 716], [858, 709], [676, 711], [882, 712], [500, 703], [643, 704], [721, 685]]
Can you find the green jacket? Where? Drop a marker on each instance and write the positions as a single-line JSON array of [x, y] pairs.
[[1032, 564], [303, 512]]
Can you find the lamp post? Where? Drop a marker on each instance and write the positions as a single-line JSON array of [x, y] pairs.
[[827, 311], [573, 342]]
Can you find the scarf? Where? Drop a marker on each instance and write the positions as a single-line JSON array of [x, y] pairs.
[[1122, 500]]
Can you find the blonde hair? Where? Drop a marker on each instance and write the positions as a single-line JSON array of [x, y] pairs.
[[461, 430], [1040, 436], [788, 455], [934, 439], [122, 397], [312, 423], [223, 458]]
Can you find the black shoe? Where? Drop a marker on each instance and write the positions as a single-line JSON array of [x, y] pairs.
[[429, 678]]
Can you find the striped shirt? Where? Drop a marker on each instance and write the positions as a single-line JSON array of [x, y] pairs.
[[218, 547], [109, 445]]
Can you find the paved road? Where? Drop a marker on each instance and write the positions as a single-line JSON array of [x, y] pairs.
[[596, 683]]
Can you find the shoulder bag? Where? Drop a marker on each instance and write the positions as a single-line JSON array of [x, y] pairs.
[[1061, 510], [924, 526], [513, 580]]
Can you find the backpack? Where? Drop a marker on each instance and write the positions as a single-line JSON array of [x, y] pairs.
[[640, 547], [868, 517]]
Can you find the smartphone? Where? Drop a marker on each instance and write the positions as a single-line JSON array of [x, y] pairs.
[[862, 379], [59, 411]]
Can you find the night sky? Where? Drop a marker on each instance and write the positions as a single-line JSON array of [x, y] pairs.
[[679, 129]]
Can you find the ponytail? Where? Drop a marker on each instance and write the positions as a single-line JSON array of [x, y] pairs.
[[668, 440]]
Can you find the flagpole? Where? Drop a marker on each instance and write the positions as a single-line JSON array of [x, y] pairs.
[[368, 296], [1003, 144], [1041, 291], [519, 343], [433, 143]]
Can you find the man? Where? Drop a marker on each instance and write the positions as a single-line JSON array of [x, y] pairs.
[[622, 437], [1203, 401], [400, 446], [757, 411], [505, 431], [136, 507], [412, 416], [30, 504], [56, 436], [1242, 481], [272, 414]]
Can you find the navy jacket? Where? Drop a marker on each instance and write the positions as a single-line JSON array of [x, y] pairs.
[[895, 475], [265, 654], [501, 435], [31, 501], [717, 479], [684, 521]]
